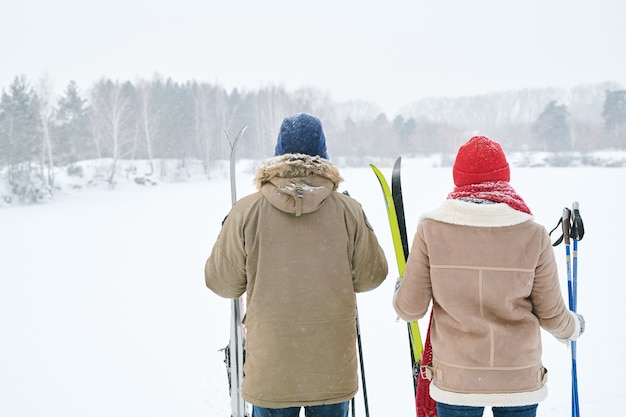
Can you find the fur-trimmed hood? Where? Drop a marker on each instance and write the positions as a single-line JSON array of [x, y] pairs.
[[297, 183], [297, 165]]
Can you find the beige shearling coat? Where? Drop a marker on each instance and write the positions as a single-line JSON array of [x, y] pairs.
[[491, 275], [300, 251]]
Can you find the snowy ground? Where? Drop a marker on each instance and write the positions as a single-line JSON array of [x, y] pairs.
[[104, 312]]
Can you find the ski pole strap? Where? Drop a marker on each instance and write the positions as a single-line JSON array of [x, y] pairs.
[[560, 239], [564, 221]]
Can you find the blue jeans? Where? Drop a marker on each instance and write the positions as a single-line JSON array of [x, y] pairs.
[[329, 410], [447, 410]]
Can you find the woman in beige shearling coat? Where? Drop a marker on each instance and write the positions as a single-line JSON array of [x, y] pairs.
[[491, 275]]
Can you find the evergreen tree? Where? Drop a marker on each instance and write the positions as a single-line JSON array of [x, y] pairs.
[[72, 138], [552, 129], [178, 121], [406, 130], [19, 125], [614, 114]]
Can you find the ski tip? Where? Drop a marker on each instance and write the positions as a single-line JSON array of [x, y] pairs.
[[239, 134], [377, 170], [575, 205]]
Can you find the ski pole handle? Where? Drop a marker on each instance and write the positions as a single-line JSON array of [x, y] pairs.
[[578, 229], [566, 225]]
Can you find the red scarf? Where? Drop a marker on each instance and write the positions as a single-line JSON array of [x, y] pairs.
[[424, 404], [497, 192]]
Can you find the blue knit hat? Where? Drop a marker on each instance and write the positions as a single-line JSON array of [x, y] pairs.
[[301, 133]]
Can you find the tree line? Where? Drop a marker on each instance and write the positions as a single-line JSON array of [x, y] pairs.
[[162, 119]]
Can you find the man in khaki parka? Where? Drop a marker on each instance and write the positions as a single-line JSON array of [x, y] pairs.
[[300, 250]]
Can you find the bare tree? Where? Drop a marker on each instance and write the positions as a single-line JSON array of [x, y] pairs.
[[272, 105], [148, 117], [44, 108], [113, 119]]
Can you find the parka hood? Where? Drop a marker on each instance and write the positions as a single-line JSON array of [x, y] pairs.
[[297, 183]]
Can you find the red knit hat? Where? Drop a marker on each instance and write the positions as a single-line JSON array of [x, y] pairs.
[[480, 160]]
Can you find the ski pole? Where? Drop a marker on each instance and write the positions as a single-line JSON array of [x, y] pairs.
[[362, 364], [573, 229], [576, 233], [360, 345]]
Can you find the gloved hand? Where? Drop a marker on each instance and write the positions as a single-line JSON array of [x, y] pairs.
[[581, 326], [579, 329], [398, 282], [396, 287]]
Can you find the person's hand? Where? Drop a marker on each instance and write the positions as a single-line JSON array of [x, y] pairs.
[[396, 287], [398, 282], [580, 328]]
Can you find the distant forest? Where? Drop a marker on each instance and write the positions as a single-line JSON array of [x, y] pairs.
[[163, 119]]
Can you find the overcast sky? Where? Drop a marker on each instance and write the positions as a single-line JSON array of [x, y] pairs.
[[390, 52]]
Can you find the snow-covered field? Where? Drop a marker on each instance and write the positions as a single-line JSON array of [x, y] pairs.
[[104, 312]]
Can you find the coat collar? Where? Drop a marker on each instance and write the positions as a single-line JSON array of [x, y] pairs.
[[467, 213]]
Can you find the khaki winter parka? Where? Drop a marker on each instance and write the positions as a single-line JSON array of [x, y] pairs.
[[492, 277], [300, 250]]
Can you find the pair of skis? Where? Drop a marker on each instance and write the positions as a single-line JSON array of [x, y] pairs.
[[424, 405], [397, 223]]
